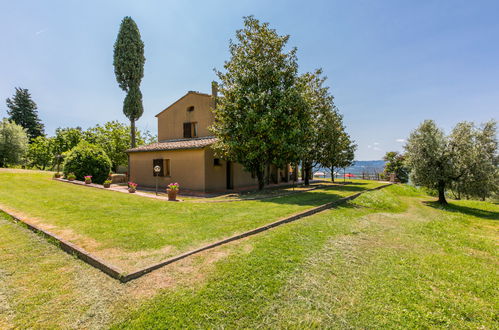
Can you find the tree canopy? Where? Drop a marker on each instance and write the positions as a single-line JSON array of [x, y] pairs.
[[13, 143], [23, 111], [466, 160], [395, 163], [261, 118]]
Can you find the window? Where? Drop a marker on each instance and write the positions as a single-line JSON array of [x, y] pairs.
[[167, 167], [164, 164], [190, 109], [190, 130], [216, 162]]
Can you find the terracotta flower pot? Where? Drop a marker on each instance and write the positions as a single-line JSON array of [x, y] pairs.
[[71, 179], [57, 175], [88, 181], [172, 194], [107, 185], [131, 190]]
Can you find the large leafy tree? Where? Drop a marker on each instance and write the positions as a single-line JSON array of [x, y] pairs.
[[41, 153], [23, 111], [13, 143], [129, 69], [319, 104], [338, 149], [261, 118]]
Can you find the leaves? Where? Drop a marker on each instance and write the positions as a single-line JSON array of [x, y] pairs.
[[23, 111]]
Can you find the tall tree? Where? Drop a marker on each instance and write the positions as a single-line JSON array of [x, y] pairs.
[[129, 69], [319, 103], [261, 118], [338, 149], [13, 143], [23, 111]]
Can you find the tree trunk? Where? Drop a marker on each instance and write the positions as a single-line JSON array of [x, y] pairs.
[[132, 132], [332, 174], [441, 193], [261, 178], [307, 170]]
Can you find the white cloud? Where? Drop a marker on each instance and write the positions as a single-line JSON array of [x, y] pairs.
[[376, 143], [400, 140], [376, 148], [40, 31], [369, 146]]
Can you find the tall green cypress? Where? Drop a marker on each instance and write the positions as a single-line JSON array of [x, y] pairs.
[[129, 69], [23, 111]]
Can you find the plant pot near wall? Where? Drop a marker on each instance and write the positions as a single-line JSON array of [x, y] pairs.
[[107, 185], [172, 194], [131, 190]]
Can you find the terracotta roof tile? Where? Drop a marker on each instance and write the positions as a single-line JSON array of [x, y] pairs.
[[179, 144]]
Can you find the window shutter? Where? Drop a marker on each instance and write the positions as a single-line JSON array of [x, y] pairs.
[[158, 162], [187, 130]]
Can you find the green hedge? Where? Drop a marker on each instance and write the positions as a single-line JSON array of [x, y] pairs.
[[87, 159]]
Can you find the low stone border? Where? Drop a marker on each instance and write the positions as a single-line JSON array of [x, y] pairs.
[[70, 248], [116, 273]]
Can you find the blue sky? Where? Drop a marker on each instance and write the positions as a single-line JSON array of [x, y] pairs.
[[391, 64]]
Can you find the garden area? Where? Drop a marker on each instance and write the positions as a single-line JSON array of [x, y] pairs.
[[381, 260], [131, 231]]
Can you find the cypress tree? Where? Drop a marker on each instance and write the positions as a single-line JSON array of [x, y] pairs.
[[129, 69]]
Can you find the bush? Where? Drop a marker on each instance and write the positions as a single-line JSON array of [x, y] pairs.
[[87, 159]]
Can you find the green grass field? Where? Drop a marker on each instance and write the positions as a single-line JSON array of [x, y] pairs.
[[391, 258], [133, 231]]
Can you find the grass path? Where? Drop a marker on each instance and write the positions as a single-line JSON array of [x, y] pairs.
[[391, 262], [387, 259]]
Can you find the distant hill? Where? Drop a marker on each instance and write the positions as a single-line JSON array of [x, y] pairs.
[[359, 167]]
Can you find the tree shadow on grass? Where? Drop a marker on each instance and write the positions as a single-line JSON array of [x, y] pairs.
[[465, 210], [315, 197]]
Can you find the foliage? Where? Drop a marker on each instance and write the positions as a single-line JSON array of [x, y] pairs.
[[13, 143], [86, 159], [465, 160], [395, 163], [129, 69], [23, 111], [114, 139], [174, 186], [41, 152], [66, 139], [70, 176], [261, 118], [338, 149], [477, 159]]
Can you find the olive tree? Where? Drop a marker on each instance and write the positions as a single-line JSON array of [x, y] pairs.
[[13, 143]]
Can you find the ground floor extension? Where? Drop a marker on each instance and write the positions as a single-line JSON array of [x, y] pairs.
[[193, 164]]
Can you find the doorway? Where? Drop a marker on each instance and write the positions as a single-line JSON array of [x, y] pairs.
[[229, 175]]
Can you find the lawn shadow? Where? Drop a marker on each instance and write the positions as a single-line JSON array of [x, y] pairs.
[[317, 197], [465, 210]]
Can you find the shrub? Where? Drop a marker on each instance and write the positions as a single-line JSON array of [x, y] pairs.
[[86, 159]]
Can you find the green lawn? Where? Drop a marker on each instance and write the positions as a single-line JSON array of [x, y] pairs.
[[389, 259], [133, 231]]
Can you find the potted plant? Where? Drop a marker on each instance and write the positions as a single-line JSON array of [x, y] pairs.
[[172, 191], [57, 175], [107, 184], [71, 176], [132, 187], [88, 179]]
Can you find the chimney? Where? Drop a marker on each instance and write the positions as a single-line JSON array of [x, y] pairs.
[[214, 93]]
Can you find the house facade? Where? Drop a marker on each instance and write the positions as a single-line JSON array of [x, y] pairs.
[[183, 151]]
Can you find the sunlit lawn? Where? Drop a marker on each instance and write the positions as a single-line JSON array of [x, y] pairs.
[[100, 220]]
